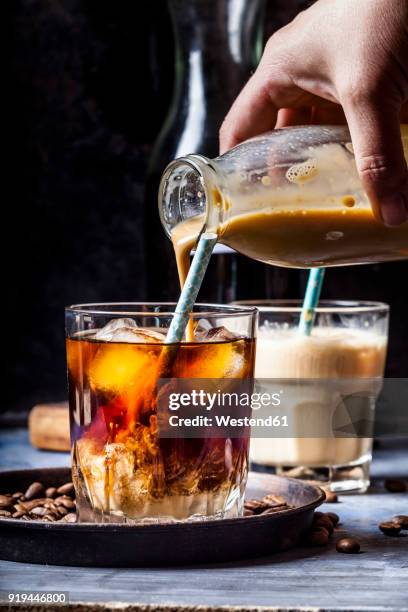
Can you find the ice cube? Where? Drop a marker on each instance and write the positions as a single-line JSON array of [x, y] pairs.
[[121, 479], [121, 365], [219, 334], [222, 355], [126, 330], [201, 329], [137, 335], [116, 324], [121, 368]]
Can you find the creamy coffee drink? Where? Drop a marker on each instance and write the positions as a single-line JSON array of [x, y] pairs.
[[343, 354], [184, 237], [298, 234]]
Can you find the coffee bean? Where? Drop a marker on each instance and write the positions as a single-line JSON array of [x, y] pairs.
[[61, 498], [34, 490], [30, 506], [273, 510], [68, 503], [390, 528], [317, 515], [349, 546], [402, 520], [274, 500], [319, 537], [5, 501], [267, 505], [333, 517], [320, 528], [33, 503], [66, 489], [69, 518], [255, 505], [325, 522], [394, 485], [39, 511], [331, 498]]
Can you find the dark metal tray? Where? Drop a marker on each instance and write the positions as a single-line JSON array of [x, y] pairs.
[[115, 545]]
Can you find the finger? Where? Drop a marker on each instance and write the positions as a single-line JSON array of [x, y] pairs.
[[380, 159], [318, 112], [293, 116], [252, 113]]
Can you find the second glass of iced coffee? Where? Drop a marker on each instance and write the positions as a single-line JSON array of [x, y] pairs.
[[329, 379]]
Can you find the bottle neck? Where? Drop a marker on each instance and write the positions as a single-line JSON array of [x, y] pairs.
[[193, 189], [217, 45], [221, 39]]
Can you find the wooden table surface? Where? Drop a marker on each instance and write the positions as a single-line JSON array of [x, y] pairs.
[[376, 579]]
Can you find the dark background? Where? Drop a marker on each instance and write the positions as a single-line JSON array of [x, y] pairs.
[[87, 86]]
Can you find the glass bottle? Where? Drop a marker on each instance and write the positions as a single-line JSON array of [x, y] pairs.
[[291, 197], [217, 45]]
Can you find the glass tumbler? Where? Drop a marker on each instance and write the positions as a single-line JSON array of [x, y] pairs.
[[330, 382], [123, 470]]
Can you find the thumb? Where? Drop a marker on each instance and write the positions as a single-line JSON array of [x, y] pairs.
[[377, 144]]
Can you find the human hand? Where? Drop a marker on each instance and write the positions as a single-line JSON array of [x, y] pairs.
[[338, 60]]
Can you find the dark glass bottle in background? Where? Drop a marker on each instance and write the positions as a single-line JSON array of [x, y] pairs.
[[218, 43]]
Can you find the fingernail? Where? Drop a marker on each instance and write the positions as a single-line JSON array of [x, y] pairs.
[[393, 210]]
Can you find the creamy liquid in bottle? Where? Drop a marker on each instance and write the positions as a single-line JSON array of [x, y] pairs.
[[301, 238], [317, 215]]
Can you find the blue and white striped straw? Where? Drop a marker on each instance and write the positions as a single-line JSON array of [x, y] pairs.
[[312, 295], [191, 287]]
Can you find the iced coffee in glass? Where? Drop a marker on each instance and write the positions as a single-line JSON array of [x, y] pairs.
[[329, 379], [123, 470]]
